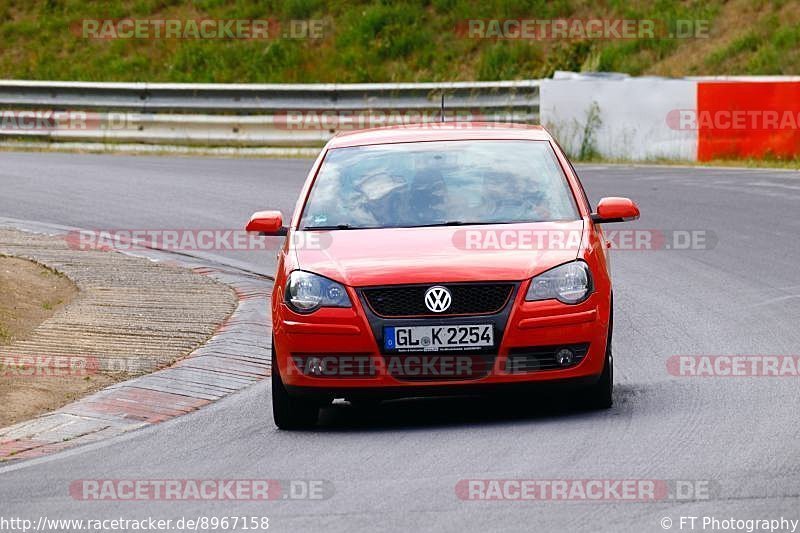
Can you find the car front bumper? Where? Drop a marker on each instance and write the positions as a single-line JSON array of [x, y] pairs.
[[350, 339]]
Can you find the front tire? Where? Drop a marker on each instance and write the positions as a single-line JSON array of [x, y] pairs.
[[601, 394], [287, 411]]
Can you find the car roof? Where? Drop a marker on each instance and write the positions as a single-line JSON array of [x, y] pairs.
[[440, 131]]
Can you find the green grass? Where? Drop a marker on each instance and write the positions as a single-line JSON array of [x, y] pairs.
[[381, 41]]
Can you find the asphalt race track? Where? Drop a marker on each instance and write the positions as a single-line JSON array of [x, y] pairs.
[[396, 470]]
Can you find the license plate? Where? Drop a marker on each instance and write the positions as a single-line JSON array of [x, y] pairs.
[[437, 338]]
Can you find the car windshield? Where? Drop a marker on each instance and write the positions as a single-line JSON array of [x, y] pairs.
[[438, 183]]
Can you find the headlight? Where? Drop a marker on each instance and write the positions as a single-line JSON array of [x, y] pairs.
[[305, 292], [570, 283]]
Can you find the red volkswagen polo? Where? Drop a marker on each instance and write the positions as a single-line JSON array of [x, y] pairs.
[[440, 259]]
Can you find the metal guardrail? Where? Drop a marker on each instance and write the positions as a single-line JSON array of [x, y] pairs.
[[248, 115]]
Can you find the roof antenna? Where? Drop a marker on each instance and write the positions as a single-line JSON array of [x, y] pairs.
[[442, 109]]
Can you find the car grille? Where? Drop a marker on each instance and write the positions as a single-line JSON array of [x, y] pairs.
[[536, 358], [409, 300]]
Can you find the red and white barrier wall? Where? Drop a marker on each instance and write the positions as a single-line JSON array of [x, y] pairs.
[[693, 119]]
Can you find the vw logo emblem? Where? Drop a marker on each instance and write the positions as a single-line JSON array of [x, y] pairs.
[[438, 299]]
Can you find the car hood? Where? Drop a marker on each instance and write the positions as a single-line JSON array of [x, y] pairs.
[[501, 252]]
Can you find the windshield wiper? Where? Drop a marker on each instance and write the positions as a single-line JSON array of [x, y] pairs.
[[451, 223], [335, 226], [432, 225]]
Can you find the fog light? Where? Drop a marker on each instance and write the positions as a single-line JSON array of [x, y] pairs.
[[565, 357], [315, 366]]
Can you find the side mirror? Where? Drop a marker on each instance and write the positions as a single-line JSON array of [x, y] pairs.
[[614, 209], [267, 223]]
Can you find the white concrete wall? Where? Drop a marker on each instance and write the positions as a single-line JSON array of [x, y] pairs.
[[633, 115]]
